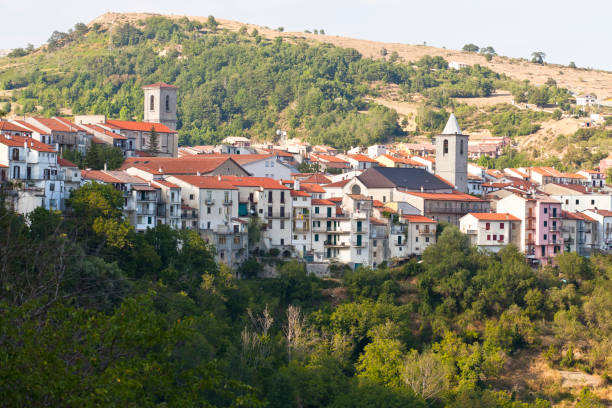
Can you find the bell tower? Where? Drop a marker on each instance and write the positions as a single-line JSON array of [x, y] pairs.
[[451, 155], [160, 104]]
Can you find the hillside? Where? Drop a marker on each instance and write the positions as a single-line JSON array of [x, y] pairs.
[[242, 79], [575, 79]]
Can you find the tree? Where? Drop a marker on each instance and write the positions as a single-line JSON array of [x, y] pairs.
[[425, 374], [471, 48], [383, 52], [381, 362], [572, 64], [153, 148], [488, 51], [537, 57], [212, 23]]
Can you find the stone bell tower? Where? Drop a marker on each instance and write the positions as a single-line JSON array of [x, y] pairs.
[[451, 155], [160, 104]]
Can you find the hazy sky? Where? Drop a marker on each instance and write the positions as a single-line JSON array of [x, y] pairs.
[[566, 30]]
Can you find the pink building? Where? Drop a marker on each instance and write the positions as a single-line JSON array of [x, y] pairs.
[[541, 237], [605, 164]]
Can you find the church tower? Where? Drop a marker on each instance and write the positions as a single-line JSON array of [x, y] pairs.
[[160, 104], [451, 155]]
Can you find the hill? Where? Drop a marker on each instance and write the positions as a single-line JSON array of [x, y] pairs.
[[242, 79]]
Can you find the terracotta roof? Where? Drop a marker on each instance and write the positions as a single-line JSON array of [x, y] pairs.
[[418, 218], [517, 171], [377, 203], [165, 183], [592, 171], [335, 199], [361, 158], [160, 85], [99, 175], [574, 176], [55, 125], [210, 182], [576, 216], [280, 153], [547, 171], [409, 162], [494, 216], [65, 163], [312, 188], [18, 141], [298, 193], [143, 187], [389, 210], [33, 128], [413, 179], [97, 140], [358, 197], [265, 182], [318, 201], [340, 183], [605, 213], [454, 196], [317, 178], [139, 126], [376, 221], [73, 126], [327, 158], [6, 126], [189, 165], [106, 132]]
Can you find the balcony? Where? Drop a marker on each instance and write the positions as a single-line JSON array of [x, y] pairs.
[[427, 232], [227, 202], [209, 201], [278, 215], [331, 244], [357, 244], [360, 231], [472, 232]]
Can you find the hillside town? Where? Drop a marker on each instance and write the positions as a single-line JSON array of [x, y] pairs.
[[368, 206]]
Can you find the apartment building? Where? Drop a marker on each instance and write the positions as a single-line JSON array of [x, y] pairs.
[[577, 198], [64, 133], [541, 222], [444, 207], [420, 233], [301, 227], [604, 227], [169, 208], [491, 231], [579, 233]]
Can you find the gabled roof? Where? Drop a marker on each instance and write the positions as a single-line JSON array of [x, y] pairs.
[[30, 127], [188, 165], [73, 126], [327, 158], [317, 178], [454, 196], [106, 132], [65, 163], [311, 188], [403, 178], [55, 125], [452, 126], [20, 141], [139, 126], [340, 183], [605, 213], [165, 183], [361, 158], [494, 216], [298, 193], [319, 201], [576, 216], [265, 182], [402, 160], [208, 182], [6, 126], [376, 221], [418, 218]]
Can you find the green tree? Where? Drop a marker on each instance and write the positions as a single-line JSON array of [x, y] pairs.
[[153, 146], [381, 362], [537, 57], [471, 48]]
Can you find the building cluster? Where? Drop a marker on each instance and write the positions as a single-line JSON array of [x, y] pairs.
[[366, 206]]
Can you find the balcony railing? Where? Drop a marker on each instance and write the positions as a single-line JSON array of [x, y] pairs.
[[335, 244], [427, 232], [358, 244], [227, 202], [277, 215], [209, 201]]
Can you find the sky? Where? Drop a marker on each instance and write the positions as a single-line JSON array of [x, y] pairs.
[[566, 30]]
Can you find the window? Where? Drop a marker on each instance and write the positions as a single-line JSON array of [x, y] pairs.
[[461, 147], [207, 210], [52, 187], [316, 237], [269, 196], [167, 103], [555, 212], [545, 210], [16, 172], [546, 223], [592, 202], [375, 243], [494, 237], [545, 237], [191, 196], [316, 210], [295, 237], [282, 211], [282, 199], [269, 211], [445, 147], [222, 254], [358, 251], [566, 201], [501, 225], [488, 226], [399, 240], [416, 239], [426, 239], [208, 225], [501, 237], [149, 220], [237, 240], [282, 224], [282, 241], [226, 198], [488, 237], [152, 102]]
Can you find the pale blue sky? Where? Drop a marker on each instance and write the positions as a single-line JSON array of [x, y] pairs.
[[566, 30]]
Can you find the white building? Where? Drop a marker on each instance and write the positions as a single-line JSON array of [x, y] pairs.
[[604, 227], [490, 231]]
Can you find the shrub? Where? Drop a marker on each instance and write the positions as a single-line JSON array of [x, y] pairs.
[[274, 252]]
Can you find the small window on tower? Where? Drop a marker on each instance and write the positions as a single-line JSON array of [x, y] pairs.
[[461, 147], [152, 102], [445, 147], [168, 106]]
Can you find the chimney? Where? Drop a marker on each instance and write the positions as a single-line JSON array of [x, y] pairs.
[[422, 189], [219, 177], [160, 170], [197, 173], [105, 167], [296, 185]]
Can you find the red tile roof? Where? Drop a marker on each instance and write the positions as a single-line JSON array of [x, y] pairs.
[[605, 213], [99, 175], [376, 221], [377, 203], [317, 178], [576, 216], [65, 163], [97, 140], [311, 188], [139, 126], [165, 183], [160, 85], [54, 125], [340, 183], [335, 199], [318, 201], [106, 132], [361, 158], [327, 158], [18, 141], [408, 162], [209, 182], [243, 159], [494, 216], [31, 127], [418, 218], [298, 193], [73, 126], [6, 126], [265, 182], [189, 165]]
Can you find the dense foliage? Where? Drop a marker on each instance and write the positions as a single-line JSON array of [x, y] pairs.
[[98, 315]]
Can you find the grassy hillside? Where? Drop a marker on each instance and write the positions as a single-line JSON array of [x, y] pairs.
[[240, 82]]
